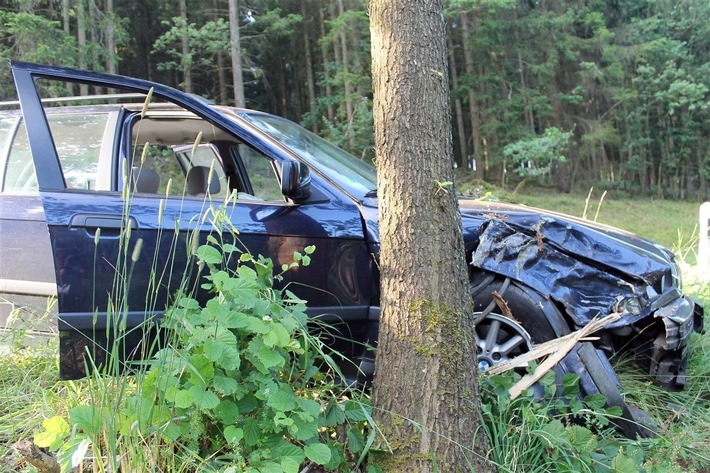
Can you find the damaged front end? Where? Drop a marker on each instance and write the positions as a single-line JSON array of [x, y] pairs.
[[590, 274], [589, 271]]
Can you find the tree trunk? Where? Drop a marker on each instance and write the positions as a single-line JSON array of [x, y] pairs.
[[330, 110], [185, 43], [458, 107], [81, 21], [474, 112], [310, 77], [425, 393], [110, 38], [346, 74], [94, 20], [65, 16], [236, 50]]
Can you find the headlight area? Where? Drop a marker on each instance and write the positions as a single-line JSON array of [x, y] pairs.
[[661, 339]]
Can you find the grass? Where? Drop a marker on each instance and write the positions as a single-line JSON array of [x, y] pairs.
[[673, 224], [30, 392]]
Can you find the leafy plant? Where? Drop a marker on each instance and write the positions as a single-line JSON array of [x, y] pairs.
[[534, 157], [237, 385], [561, 432]]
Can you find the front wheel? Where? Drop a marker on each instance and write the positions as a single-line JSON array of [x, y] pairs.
[[508, 324]]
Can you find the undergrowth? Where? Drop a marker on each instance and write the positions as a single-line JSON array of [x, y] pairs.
[[238, 387], [556, 432]]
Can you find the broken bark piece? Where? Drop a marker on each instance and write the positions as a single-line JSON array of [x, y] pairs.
[[32, 454]]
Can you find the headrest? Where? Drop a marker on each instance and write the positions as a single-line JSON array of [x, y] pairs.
[[145, 180], [197, 181]]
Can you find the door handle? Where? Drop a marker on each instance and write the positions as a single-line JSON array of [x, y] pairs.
[[108, 222]]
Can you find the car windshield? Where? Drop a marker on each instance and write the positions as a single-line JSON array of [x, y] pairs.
[[354, 175]]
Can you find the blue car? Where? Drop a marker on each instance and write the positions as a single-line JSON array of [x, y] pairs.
[[67, 163]]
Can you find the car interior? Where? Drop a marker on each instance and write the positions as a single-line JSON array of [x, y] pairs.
[[178, 154]]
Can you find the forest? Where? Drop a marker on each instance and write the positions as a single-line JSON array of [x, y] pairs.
[[566, 94]]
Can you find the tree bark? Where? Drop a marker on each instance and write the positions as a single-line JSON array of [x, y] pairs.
[[426, 393], [310, 76], [346, 71], [330, 110], [81, 22], [474, 112], [110, 38], [185, 44], [236, 51], [458, 106]]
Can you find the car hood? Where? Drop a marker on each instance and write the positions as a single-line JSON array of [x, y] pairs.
[[612, 249], [589, 268]]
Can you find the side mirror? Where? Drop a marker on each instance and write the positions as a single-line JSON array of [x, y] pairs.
[[295, 181]]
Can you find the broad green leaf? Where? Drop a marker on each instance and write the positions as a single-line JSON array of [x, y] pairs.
[[233, 435], [52, 437], [303, 430], [281, 400], [318, 453], [230, 359], [77, 457], [247, 404], [356, 411], [209, 254], [252, 432], [281, 420], [88, 419], [225, 385], [278, 336], [183, 399], [201, 370], [623, 464], [356, 441], [311, 408], [235, 319], [204, 398], [291, 452], [269, 467], [556, 431], [213, 349], [334, 414], [290, 465], [227, 412], [257, 325], [73, 452]]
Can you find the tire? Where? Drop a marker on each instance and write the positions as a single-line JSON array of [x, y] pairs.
[[531, 319], [538, 318]]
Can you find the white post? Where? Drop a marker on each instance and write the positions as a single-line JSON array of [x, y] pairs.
[[704, 242]]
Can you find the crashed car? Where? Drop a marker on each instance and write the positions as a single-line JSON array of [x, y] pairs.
[[65, 164]]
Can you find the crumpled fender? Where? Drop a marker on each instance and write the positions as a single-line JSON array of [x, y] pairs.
[[538, 259]]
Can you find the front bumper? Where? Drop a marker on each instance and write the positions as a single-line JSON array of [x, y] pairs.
[[669, 349]]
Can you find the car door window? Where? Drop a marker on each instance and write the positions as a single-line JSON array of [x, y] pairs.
[[78, 140], [20, 177], [206, 157], [262, 174]]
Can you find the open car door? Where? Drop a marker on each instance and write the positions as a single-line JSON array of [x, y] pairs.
[[126, 181]]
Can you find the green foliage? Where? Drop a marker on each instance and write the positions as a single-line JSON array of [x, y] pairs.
[[204, 43], [534, 157], [553, 433], [238, 384]]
